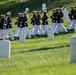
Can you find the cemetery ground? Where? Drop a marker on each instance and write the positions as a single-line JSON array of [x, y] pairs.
[[38, 56]]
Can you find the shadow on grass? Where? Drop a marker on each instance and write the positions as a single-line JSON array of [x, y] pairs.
[[47, 48], [43, 49]]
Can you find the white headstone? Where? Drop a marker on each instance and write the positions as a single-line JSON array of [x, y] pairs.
[[75, 28], [22, 36], [5, 48], [50, 33], [73, 49]]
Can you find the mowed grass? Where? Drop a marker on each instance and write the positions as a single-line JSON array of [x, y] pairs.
[[38, 56]]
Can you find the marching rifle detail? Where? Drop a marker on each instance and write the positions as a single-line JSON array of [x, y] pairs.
[[40, 24]]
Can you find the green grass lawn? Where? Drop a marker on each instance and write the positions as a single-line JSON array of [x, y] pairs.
[[38, 56]]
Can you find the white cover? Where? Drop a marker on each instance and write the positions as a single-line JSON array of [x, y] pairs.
[[9, 13], [26, 9]]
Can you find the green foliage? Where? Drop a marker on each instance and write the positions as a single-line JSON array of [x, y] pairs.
[[37, 56]]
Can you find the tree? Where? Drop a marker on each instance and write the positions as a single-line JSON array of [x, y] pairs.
[[48, 1]]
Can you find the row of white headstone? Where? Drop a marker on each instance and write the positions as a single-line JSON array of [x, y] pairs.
[[6, 44], [20, 0], [50, 34], [23, 35]]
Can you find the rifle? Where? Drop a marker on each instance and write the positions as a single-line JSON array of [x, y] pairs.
[[45, 10], [64, 7]]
